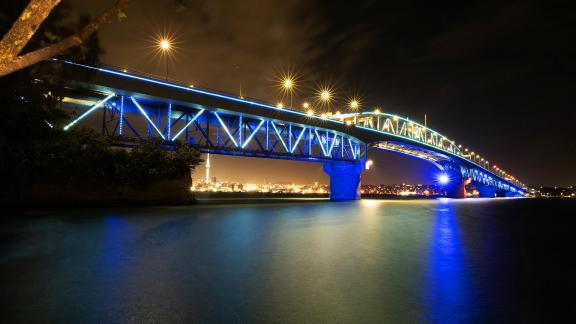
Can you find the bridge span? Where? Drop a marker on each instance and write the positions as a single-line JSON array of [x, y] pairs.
[[131, 107]]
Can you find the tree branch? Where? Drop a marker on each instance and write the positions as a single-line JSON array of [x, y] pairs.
[[20, 62], [24, 28]]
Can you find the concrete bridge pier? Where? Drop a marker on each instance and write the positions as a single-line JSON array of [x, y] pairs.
[[344, 179], [456, 189], [486, 191]]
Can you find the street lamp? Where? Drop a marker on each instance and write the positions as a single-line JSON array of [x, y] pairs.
[[288, 86], [287, 83], [325, 95], [165, 45], [354, 104]]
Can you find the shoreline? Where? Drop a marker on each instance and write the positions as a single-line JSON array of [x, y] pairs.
[[193, 199]]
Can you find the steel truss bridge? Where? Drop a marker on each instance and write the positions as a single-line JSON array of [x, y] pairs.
[[131, 107]]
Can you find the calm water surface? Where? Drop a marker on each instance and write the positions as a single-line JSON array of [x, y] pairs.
[[442, 261]]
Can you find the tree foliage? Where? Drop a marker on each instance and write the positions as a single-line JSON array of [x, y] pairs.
[[83, 156]]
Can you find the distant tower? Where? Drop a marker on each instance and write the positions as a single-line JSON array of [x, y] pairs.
[[207, 180]]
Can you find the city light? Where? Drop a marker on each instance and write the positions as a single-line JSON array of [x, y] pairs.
[[369, 164], [310, 112], [305, 105], [279, 105]]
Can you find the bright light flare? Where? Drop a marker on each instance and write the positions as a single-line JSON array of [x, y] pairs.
[[354, 104], [287, 83], [165, 44], [443, 178]]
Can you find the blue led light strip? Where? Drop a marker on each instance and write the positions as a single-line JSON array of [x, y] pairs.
[[121, 122], [147, 117], [88, 112], [352, 149], [188, 124], [332, 146], [169, 126], [252, 135], [320, 142], [298, 140], [279, 136], [226, 129]]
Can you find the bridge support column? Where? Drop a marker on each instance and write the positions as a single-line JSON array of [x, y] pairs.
[[486, 191], [344, 179], [456, 189]]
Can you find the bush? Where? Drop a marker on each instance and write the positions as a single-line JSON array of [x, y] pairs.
[[84, 156]]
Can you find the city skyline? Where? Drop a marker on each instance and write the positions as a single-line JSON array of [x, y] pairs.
[[309, 172]]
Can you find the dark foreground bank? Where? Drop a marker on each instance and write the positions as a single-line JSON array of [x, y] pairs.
[[369, 261]]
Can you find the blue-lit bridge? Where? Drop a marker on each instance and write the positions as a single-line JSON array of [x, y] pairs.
[[130, 107]]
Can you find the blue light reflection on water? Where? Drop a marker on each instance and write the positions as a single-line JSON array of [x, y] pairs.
[[449, 292], [111, 275]]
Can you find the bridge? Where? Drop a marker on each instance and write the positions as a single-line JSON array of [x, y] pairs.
[[130, 107]]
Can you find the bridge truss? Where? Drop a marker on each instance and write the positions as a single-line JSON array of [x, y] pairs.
[[129, 119]]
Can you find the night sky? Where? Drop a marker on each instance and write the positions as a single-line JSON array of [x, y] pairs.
[[498, 76]]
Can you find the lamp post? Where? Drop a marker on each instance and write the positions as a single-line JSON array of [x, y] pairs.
[[165, 45], [288, 86], [325, 96]]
